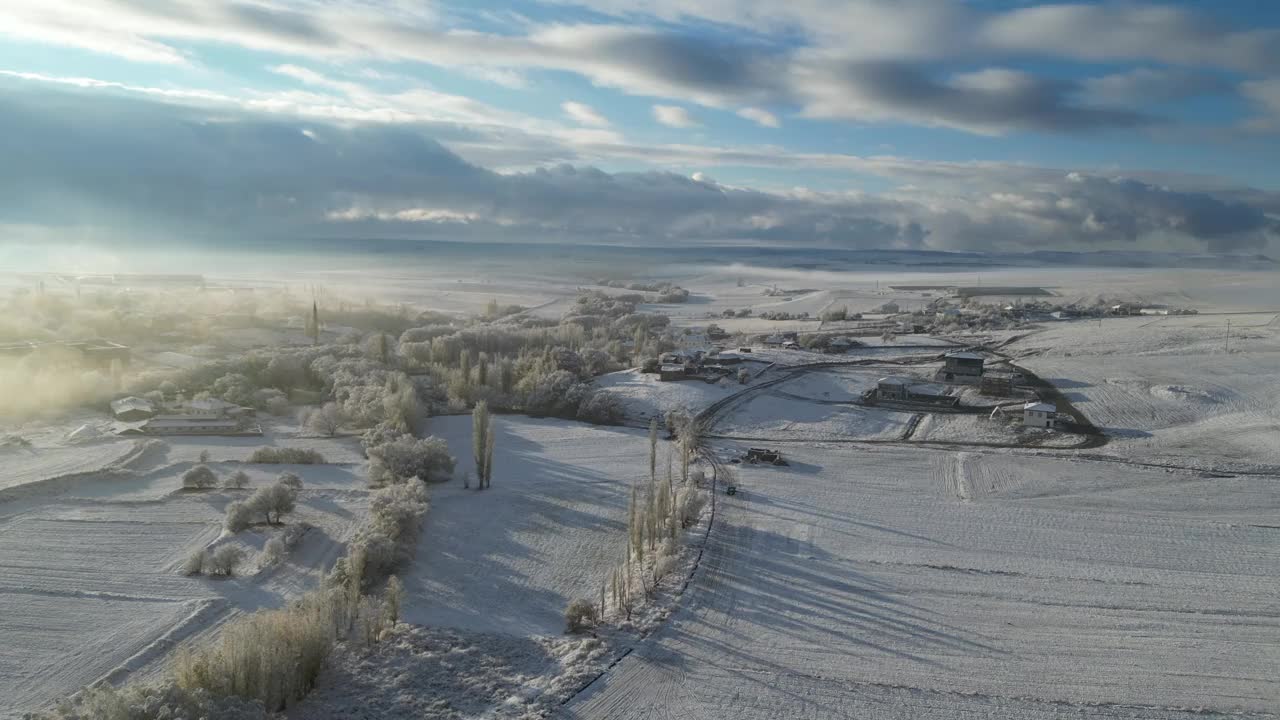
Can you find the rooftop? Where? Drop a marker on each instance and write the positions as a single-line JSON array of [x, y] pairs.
[[1041, 407]]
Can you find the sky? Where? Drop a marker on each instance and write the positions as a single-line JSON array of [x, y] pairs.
[[986, 125]]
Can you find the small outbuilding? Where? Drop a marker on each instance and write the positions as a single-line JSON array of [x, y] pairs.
[[1039, 414], [132, 409], [892, 388]]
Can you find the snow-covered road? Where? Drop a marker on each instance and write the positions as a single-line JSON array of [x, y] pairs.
[[909, 583]]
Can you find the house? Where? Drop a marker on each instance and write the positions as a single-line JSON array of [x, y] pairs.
[[1039, 414], [671, 372], [892, 388], [132, 409], [774, 340], [191, 425], [962, 367], [840, 345], [1124, 309], [790, 345], [762, 455]]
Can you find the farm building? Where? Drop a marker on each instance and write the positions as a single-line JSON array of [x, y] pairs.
[[132, 409], [840, 345], [892, 388], [962, 367], [1039, 414], [671, 372], [911, 390]]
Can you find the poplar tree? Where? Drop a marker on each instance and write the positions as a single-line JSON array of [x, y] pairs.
[[481, 442], [653, 448]]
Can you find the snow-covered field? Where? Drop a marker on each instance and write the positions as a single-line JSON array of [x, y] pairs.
[[550, 529], [643, 395], [913, 583], [1166, 389], [91, 548]]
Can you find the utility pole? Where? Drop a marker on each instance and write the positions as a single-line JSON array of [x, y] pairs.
[[1228, 336]]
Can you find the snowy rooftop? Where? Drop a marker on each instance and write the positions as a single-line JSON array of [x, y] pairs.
[[1040, 407], [964, 355], [894, 381], [130, 403]]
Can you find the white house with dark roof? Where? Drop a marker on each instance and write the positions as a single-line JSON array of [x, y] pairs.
[[1039, 414]]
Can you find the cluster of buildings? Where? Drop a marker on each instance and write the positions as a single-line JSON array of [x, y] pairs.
[[97, 352], [139, 416]]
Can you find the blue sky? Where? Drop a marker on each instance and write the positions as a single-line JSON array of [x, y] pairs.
[[998, 125]]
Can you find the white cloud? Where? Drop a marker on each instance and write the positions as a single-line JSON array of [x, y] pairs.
[[760, 117], [584, 114], [674, 116]]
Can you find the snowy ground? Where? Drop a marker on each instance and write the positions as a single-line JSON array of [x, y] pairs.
[[922, 584], [550, 529], [643, 395], [91, 548], [1166, 390]]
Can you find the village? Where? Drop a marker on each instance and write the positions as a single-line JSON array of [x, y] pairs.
[[883, 439]]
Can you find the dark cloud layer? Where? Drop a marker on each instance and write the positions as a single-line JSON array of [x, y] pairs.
[[143, 168]]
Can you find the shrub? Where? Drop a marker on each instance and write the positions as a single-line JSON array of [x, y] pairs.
[[662, 566], [289, 479], [273, 552], [286, 456], [199, 477], [194, 564], [271, 656], [151, 702], [427, 459], [239, 517], [237, 480], [581, 614], [224, 560], [601, 408], [388, 538]]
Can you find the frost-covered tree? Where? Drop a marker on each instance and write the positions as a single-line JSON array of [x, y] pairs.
[[290, 479], [237, 480], [199, 477], [427, 459], [239, 517], [326, 420], [653, 448], [273, 502], [224, 560], [481, 428], [273, 552]]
